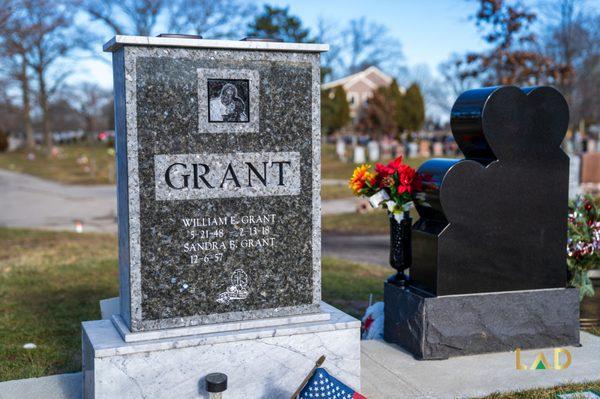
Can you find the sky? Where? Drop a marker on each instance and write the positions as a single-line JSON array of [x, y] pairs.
[[429, 30]]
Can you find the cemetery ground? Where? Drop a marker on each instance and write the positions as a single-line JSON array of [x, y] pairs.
[[71, 164], [50, 281], [93, 163]]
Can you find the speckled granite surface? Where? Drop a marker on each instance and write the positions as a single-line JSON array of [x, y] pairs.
[[250, 255], [458, 325]]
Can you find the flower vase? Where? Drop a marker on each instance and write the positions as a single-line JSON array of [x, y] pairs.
[[400, 247]]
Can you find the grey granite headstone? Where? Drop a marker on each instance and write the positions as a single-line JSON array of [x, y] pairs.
[[218, 153]]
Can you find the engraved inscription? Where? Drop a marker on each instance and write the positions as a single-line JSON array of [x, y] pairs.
[[201, 176]]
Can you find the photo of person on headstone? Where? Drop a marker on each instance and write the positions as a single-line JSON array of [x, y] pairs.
[[227, 104]]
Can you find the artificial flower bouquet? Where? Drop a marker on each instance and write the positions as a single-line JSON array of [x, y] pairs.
[[583, 246], [387, 186]]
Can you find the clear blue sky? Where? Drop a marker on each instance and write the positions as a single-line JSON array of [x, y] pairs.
[[429, 30]]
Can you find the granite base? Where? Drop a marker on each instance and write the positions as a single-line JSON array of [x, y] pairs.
[[457, 325], [263, 362]]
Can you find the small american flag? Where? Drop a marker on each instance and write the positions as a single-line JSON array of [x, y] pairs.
[[323, 386]]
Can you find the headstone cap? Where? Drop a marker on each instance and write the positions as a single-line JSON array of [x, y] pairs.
[[262, 39], [119, 41], [180, 36], [216, 382]]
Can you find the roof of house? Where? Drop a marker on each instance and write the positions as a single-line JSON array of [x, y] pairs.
[[372, 77]]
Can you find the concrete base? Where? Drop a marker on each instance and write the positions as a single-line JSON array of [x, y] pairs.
[[264, 362], [458, 325], [389, 372]]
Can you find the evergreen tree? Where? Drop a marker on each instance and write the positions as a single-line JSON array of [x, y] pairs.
[[335, 110], [401, 113], [414, 108], [276, 22]]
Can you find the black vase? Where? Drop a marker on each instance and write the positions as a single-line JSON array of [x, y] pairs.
[[400, 248]]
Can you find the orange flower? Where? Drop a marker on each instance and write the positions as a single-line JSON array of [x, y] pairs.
[[359, 179]]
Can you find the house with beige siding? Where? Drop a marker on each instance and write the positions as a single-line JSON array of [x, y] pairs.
[[359, 87]]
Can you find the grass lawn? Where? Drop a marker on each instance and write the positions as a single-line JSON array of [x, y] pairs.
[[96, 165], [335, 191], [372, 222], [546, 393], [51, 281]]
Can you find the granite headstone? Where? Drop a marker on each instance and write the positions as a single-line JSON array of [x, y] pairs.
[[218, 156], [218, 153]]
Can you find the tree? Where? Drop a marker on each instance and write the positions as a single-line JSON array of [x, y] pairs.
[[276, 22], [377, 118], [400, 113], [54, 36], [335, 111], [15, 48], [414, 108], [63, 116], [135, 17], [572, 38], [10, 113], [455, 77], [514, 58], [328, 33], [218, 18], [368, 44], [90, 101]]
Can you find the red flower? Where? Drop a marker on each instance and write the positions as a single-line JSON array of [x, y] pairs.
[[383, 170], [396, 164], [407, 177]]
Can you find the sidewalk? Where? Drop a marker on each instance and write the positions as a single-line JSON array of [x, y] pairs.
[[31, 202]]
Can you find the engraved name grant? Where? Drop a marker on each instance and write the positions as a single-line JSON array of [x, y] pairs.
[[191, 176]]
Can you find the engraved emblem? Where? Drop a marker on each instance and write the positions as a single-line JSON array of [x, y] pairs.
[[237, 290]]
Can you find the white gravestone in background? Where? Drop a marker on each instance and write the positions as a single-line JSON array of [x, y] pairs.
[[413, 149], [574, 175], [373, 148], [340, 149], [359, 154]]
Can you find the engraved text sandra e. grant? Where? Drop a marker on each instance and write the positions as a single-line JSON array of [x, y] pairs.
[[202, 176]]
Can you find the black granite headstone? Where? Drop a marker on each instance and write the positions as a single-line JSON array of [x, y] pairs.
[[496, 221], [489, 250]]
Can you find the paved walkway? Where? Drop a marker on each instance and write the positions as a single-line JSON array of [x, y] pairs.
[[388, 372], [373, 249], [337, 206], [31, 202]]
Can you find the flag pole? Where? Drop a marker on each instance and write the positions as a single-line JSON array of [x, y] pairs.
[[318, 364]]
